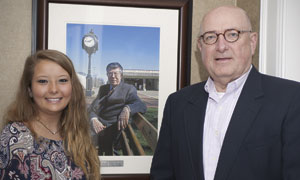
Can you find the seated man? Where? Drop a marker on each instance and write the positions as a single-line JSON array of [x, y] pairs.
[[112, 109]]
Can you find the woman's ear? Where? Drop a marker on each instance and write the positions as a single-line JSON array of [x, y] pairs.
[[30, 92]]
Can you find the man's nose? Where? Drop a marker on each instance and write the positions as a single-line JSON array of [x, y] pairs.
[[221, 44], [114, 75]]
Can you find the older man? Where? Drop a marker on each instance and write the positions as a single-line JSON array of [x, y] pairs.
[[112, 109], [237, 125]]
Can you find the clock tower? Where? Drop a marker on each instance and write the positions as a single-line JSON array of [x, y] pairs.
[[90, 45]]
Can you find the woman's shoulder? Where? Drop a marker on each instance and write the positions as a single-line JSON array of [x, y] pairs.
[[15, 129], [18, 144], [15, 137], [16, 133]]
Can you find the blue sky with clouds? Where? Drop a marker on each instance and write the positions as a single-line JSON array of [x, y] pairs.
[[133, 47]]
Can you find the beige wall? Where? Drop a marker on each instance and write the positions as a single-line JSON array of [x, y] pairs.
[[15, 46], [15, 31], [198, 72]]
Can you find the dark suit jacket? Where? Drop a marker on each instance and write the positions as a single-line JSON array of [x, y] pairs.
[[262, 141], [108, 107]]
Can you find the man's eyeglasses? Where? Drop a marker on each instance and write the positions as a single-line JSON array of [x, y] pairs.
[[113, 73], [230, 35]]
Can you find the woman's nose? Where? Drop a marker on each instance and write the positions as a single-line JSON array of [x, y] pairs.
[[53, 87]]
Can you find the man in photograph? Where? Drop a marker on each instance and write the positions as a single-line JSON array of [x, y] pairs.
[[112, 109]]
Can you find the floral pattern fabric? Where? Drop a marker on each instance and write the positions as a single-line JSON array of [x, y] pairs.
[[24, 157]]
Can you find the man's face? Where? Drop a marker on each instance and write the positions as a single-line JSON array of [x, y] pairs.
[[114, 76], [223, 60]]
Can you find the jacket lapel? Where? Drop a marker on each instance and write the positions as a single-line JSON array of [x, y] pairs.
[[193, 120], [246, 109]]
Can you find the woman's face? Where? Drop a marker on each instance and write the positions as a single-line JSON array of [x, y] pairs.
[[51, 88]]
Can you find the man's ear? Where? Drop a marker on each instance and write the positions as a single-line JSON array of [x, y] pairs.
[[253, 39], [199, 44]]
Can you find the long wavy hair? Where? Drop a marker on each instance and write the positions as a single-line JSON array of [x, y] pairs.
[[74, 125]]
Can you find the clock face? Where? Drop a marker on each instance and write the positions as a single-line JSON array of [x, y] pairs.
[[89, 41]]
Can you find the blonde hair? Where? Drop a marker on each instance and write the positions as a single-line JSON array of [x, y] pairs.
[[74, 125]]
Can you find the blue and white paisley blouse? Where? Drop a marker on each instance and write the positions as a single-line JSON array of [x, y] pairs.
[[22, 157]]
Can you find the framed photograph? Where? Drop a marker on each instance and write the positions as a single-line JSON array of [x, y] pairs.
[[150, 39]]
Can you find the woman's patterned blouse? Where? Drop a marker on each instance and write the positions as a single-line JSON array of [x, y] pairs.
[[24, 157]]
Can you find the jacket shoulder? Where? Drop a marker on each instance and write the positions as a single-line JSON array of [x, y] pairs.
[[105, 86], [279, 85], [127, 86], [272, 80], [189, 92]]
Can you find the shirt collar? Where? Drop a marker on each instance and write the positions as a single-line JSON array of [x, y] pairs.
[[111, 87], [231, 87]]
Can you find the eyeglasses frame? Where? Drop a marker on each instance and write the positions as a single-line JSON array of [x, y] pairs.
[[218, 34], [110, 74]]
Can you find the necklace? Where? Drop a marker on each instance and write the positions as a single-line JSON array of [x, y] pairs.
[[55, 132]]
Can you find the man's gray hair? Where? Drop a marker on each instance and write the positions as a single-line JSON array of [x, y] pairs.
[[114, 65]]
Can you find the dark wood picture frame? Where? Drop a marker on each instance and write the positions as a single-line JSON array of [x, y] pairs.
[[184, 6], [40, 38]]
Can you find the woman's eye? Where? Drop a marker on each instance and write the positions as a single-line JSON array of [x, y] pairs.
[[63, 80], [42, 81]]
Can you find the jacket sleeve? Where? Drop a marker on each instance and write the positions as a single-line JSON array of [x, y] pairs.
[[92, 113], [134, 102], [291, 140], [162, 165], [92, 108]]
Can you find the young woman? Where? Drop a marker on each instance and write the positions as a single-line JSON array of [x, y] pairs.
[[46, 135]]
